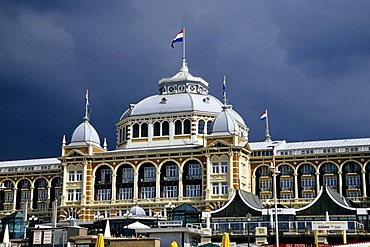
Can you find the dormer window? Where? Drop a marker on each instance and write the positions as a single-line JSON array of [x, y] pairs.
[[163, 100]]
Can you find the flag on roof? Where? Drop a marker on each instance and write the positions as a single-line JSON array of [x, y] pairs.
[[178, 38], [263, 115]]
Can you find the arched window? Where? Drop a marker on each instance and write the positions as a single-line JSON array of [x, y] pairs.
[[187, 126], [201, 124], [209, 127], [135, 130], [157, 129], [178, 127], [165, 128], [144, 130]]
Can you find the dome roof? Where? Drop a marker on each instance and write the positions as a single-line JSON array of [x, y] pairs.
[[180, 93], [225, 122], [186, 102], [84, 134], [138, 211]]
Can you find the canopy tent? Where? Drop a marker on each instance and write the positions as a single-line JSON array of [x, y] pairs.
[[137, 225]]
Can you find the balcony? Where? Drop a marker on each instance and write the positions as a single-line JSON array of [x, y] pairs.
[[194, 177], [147, 180], [167, 179], [127, 181]]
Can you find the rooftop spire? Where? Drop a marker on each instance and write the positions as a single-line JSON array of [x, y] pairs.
[[224, 91], [87, 106]]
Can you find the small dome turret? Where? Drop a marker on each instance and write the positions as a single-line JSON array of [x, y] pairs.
[[137, 211], [84, 134]]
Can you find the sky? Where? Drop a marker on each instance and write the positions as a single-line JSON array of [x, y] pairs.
[[307, 62]]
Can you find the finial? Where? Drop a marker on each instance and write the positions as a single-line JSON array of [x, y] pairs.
[[105, 146], [64, 140]]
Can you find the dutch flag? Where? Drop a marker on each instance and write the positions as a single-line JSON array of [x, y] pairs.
[[263, 115], [178, 38]]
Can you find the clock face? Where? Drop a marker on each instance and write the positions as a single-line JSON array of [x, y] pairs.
[[192, 88], [171, 89], [181, 88]]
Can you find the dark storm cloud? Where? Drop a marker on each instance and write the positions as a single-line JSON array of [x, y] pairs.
[[305, 61], [324, 38]]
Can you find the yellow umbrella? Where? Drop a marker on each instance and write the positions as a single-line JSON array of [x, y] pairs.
[[225, 240], [100, 241], [174, 244]]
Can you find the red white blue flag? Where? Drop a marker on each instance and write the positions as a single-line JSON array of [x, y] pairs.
[[178, 38], [263, 115]]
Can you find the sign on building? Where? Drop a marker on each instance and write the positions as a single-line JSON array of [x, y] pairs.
[[329, 225]]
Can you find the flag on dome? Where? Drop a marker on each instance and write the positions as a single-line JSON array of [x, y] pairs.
[[178, 38], [263, 115]]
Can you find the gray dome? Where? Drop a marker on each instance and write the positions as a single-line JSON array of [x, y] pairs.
[[185, 102], [225, 122], [180, 93], [84, 134], [138, 211]]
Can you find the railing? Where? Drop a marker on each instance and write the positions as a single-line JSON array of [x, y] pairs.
[[285, 227]]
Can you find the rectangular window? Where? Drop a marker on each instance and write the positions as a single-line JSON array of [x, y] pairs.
[[215, 168], [193, 190], [224, 167], [78, 195], [224, 188], [215, 188], [58, 193], [353, 181], [127, 175], [195, 171], [104, 194], [106, 176], [330, 181], [172, 171], [147, 192], [42, 195], [125, 193], [70, 195], [286, 196], [71, 176], [149, 172], [308, 183], [265, 184], [169, 191], [25, 195], [79, 176], [286, 183], [41, 207], [9, 197]]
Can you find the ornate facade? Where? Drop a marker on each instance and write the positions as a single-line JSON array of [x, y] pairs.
[[180, 146]]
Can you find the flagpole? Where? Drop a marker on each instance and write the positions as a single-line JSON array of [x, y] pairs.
[[224, 90], [183, 49], [267, 132], [87, 117]]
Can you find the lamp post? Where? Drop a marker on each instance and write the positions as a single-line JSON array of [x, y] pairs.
[[33, 219], [275, 172], [248, 222]]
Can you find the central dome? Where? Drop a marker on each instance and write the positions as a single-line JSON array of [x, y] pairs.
[[181, 114]]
